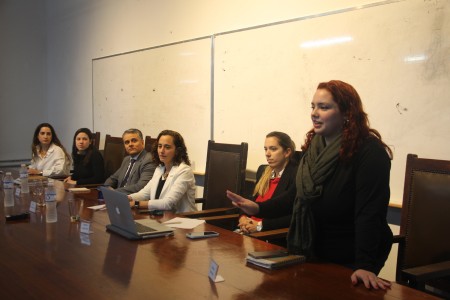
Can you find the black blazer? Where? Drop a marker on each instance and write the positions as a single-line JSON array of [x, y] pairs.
[[287, 181]]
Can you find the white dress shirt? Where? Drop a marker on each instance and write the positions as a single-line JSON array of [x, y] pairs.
[[53, 163]]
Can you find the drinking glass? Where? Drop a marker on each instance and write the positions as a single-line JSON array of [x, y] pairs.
[[75, 206], [38, 192]]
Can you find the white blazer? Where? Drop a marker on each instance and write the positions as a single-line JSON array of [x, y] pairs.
[[178, 193]]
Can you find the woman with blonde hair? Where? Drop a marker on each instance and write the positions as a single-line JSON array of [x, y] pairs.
[[273, 179]]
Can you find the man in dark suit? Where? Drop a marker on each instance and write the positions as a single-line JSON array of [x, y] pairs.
[[137, 168]]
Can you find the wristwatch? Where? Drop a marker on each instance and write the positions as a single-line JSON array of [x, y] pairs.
[[259, 226], [136, 204]]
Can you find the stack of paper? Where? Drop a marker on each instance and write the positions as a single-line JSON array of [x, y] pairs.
[[184, 223], [79, 190]]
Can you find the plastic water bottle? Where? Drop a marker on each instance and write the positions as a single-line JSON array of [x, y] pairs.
[[24, 188], [8, 187], [50, 202]]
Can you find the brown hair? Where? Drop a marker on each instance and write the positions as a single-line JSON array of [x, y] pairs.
[[55, 140], [181, 154]]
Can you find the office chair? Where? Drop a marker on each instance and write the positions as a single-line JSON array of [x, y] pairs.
[[96, 140], [113, 154], [424, 245], [225, 170], [149, 142]]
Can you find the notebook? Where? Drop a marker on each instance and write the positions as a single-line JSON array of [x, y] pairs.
[[122, 221], [268, 254], [276, 262]]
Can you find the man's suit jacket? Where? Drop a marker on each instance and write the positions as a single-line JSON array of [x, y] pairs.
[[140, 175]]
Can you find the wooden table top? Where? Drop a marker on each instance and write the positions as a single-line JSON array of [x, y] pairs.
[[45, 261]]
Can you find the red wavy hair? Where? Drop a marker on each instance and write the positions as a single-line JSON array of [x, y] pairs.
[[356, 126]]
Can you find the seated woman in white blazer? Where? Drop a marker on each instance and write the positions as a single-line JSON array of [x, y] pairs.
[[172, 186]]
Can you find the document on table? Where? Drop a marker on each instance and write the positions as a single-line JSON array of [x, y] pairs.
[[98, 207], [184, 223], [79, 190]]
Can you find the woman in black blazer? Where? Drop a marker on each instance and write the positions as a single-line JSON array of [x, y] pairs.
[[273, 180]]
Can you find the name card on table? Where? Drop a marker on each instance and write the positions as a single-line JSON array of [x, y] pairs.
[[213, 269], [85, 227], [32, 207]]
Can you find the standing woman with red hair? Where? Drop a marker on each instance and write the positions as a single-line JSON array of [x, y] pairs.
[[341, 195]]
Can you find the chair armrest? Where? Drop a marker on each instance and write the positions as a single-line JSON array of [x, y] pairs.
[[200, 200], [209, 212], [398, 239], [90, 185], [270, 234], [58, 177], [224, 217], [428, 272]]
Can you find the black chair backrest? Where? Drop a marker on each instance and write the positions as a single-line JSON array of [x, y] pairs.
[[297, 156], [149, 142], [96, 139], [425, 217], [113, 154], [225, 170]]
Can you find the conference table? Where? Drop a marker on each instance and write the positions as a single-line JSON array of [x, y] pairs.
[[40, 260]]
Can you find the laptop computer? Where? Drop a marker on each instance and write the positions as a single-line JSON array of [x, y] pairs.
[[122, 221]]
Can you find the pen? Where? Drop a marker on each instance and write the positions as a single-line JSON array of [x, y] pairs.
[[173, 223]]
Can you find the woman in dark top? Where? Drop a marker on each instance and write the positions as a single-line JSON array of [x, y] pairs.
[[88, 165], [341, 195], [273, 180]]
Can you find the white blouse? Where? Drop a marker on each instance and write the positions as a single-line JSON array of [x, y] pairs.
[[53, 163]]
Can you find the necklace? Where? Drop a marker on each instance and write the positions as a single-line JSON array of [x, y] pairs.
[[166, 173], [42, 152]]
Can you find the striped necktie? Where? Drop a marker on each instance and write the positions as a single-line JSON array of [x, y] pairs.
[[127, 174]]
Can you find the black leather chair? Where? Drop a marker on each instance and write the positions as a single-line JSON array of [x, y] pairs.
[[424, 245], [96, 139], [113, 154], [149, 142], [225, 170]]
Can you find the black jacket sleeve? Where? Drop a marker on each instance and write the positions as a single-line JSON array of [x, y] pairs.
[[373, 236], [279, 207]]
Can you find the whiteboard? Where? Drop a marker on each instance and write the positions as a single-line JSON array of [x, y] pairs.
[[396, 55], [166, 87]]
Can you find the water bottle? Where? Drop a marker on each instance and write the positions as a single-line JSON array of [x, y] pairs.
[[8, 187], [24, 189], [50, 202]]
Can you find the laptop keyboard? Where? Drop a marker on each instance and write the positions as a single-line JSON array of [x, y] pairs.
[[142, 228]]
